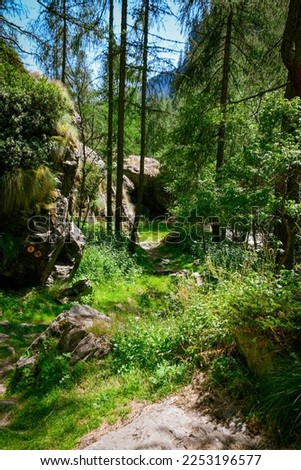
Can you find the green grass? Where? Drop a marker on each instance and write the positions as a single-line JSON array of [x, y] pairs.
[[59, 418], [162, 330], [28, 313], [152, 232]]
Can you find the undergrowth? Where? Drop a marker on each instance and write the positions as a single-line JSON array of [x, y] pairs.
[[164, 328]]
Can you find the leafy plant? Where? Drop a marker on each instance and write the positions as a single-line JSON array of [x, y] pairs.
[[229, 374], [51, 370], [281, 401], [103, 262]]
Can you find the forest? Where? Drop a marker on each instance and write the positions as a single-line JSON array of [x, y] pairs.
[[150, 223]]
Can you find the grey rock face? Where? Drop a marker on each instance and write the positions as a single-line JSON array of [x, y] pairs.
[[167, 426], [48, 247], [155, 199], [74, 332]]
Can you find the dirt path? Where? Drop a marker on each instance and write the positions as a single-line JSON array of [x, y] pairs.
[[162, 263], [189, 420], [193, 419]]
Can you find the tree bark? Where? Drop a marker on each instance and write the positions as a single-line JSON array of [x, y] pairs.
[[120, 136], [64, 48], [288, 186], [134, 234], [224, 94], [110, 118]]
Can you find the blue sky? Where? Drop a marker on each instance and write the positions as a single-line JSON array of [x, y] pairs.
[[169, 30]]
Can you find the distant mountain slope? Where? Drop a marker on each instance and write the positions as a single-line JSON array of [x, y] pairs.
[[161, 86]]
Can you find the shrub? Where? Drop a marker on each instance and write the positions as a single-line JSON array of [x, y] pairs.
[[281, 401], [52, 370], [30, 110], [102, 263]]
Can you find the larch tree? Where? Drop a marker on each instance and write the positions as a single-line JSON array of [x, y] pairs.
[[143, 128], [121, 109], [64, 28], [288, 185], [11, 31], [111, 42], [233, 52]]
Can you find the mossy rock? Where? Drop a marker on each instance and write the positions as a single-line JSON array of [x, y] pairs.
[[259, 352]]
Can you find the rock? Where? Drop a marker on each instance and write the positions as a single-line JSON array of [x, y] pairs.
[[5, 323], [155, 199], [6, 368], [68, 169], [3, 337], [167, 426], [198, 279], [81, 331], [185, 273], [259, 352], [77, 290], [70, 255], [7, 403], [43, 242], [29, 362], [180, 274]]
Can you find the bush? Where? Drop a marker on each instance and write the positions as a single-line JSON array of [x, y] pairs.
[[30, 109], [229, 373], [102, 263], [52, 370], [281, 401]]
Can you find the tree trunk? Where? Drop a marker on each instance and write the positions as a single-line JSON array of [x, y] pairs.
[[134, 234], [288, 186], [224, 94], [110, 118], [120, 136], [64, 48], [220, 156]]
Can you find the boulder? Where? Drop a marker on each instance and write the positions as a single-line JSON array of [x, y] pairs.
[[155, 199], [47, 247], [75, 292], [81, 331], [261, 354]]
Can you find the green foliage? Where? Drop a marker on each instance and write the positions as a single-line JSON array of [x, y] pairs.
[[167, 373], [260, 303], [9, 56], [229, 373], [143, 346], [103, 263], [281, 401], [52, 370], [31, 108]]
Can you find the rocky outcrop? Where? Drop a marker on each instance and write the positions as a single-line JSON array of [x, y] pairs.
[[47, 247], [155, 199], [75, 292], [169, 426], [81, 331]]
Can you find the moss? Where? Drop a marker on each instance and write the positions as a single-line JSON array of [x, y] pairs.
[[260, 353]]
